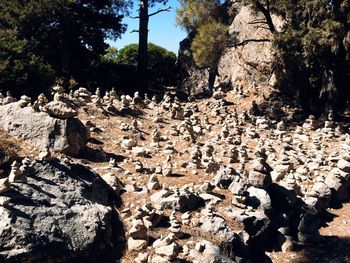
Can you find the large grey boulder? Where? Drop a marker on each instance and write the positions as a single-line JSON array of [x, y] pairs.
[[63, 213], [183, 202], [254, 60], [194, 80], [67, 136], [217, 226], [259, 199]]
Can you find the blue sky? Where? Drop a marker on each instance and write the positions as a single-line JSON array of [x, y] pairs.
[[162, 29]]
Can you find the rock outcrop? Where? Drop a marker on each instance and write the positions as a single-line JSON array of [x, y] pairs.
[[249, 63], [217, 170], [67, 136], [253, 59], [193, 79], [62, 213]]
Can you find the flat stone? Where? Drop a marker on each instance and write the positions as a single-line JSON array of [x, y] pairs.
[[61, 110], [344, 165], [259, 179], [169, 252], [210, 198], [4, 185], [137, 244]]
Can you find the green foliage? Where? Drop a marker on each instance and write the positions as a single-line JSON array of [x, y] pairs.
[[209, 44], [324, 50], [152, 3], [161, 63], [195, 13], [61, 38], [128, 55], [111, 55], [20, 68], [8, 151], [203, 18], [314, 45]]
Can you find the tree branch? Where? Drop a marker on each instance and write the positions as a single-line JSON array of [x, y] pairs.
[[135, 17], [266, 13], [136, 31], [160, 10], [257, 22], [244, 42]]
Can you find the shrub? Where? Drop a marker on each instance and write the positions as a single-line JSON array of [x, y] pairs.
[[162, 68], [8, 151]]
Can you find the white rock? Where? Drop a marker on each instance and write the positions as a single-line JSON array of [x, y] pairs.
[[169, 252]]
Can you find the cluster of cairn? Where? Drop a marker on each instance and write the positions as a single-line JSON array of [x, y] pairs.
[[279, 178], [18, 174], [279, 187]]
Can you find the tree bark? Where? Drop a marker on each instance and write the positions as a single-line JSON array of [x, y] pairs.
[[64, 45], [143, 44], [213, 72], [266, 12]]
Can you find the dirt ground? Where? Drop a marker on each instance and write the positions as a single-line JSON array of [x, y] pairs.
[[336, 231]]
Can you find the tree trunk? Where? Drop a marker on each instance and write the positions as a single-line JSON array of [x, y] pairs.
[[64, 47], [143, 44], [267, 15], [213, 72]]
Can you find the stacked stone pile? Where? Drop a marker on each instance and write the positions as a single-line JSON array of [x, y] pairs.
[[192, 169]]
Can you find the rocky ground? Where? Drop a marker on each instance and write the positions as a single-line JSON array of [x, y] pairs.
[[334, 249], [239, 177]]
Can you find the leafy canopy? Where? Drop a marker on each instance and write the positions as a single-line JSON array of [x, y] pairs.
[[193, 14], [56, 37], [203, 19], [209, 44], [313, 45], [161, 63]]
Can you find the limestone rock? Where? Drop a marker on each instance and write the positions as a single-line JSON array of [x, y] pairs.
[[138, 230], [259, 199], [113, 181], [217, 226], [169, 252], [194, 80], [42, 131], [142, 258], [206, 252], [137, 244], [344, 165], [4, 185], [164, 241], [233, 66], [4, 200], [60, 109], [59, 205], [183, 203], [259, 179]]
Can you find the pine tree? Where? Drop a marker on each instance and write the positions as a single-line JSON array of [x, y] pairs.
[[144, 16], [313, 45], [66, 36], [315, 48], [204, 19]]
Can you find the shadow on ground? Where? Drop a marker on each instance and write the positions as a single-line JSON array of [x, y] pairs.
[[334, 249]]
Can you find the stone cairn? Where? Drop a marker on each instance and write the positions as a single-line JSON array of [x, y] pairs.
[[280, 178], [18, 174]]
